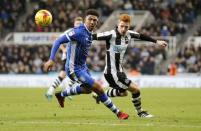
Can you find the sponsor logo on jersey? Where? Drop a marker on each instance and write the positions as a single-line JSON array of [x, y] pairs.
[[119, 48]]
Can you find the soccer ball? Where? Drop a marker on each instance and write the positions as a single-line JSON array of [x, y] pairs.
[[43, 18]]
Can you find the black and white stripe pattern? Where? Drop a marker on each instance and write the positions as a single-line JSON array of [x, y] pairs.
[[137, 101], [56, 82], [113, 92], [116, 45]]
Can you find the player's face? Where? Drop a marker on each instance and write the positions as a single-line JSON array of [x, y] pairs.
[[77, 23], [91, 22], [123, 27]]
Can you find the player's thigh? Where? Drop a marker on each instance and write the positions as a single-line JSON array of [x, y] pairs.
[[113, 82], [133, 88], [123, 79], [85, 78]]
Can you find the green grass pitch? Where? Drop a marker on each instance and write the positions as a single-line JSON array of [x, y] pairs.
[[26, 109]]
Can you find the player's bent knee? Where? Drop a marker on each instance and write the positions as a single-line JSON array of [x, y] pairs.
[[86, 89], [133, 88], [62, 74], [97, 88], [125, 93]]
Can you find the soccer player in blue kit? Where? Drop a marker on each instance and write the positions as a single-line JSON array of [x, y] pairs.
[[80, 39]]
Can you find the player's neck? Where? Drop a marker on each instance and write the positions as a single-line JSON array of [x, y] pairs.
[[120, 33], [87, 28]]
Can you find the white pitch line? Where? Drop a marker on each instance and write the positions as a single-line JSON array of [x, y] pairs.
[[107, 124]]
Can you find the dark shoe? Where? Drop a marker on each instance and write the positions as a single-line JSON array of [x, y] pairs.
[[60, 99], [145, 114]]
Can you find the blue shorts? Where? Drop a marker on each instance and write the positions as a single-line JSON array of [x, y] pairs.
[[83, 77]]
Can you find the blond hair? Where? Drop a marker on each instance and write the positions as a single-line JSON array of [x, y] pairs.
[[78, 19]]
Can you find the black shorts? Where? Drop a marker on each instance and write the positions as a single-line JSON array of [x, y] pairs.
[[118, 80], [63, 65]]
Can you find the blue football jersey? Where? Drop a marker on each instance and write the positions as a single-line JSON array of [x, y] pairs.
[[80, 39]]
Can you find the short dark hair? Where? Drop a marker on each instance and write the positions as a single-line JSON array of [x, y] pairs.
[[92, 12]]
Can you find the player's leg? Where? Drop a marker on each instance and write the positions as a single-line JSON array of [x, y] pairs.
[[81, 77], [136, 100], [98, 89], [125, 83], [78, 88], [121, 82], [55, 84], [89, 85], [57, 81], [114, 90]]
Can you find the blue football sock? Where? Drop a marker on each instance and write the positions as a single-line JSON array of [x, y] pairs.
[[108, 103], [72, 91]]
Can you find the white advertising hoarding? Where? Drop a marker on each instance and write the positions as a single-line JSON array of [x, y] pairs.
[[35, 37], [142, 81]]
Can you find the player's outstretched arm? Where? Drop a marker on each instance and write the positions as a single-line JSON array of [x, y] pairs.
[[62, 39], [147, 38], [102, 36]]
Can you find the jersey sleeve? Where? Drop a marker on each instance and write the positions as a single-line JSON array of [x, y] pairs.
[[102, 36], [141, 36], [62, 39], [134, 34], [72, 35]]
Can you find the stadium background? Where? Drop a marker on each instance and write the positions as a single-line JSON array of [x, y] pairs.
[[23, 50]]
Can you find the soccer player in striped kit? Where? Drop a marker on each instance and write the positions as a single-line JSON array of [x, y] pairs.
[[80, 39], [117, 41]]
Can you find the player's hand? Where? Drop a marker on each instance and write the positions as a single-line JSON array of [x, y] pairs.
[[161, 43], [48, 65]]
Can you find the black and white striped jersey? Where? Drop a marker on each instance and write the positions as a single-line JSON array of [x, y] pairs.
[[116, 46]]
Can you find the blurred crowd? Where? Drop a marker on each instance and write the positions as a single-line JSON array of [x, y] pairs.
[[172, 17], [22, 59], [64, 13], [198, 32], [9, 14], [189, 59], [139, 59], [29, 59]]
